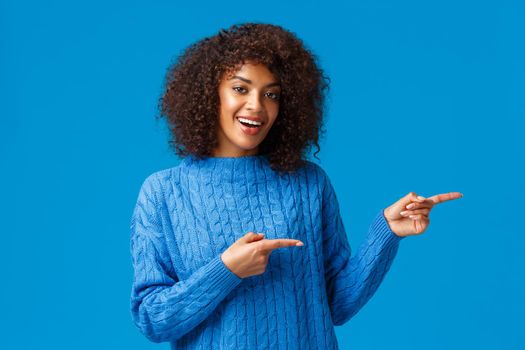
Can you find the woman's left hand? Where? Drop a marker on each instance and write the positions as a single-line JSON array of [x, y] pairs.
[[409, 215]]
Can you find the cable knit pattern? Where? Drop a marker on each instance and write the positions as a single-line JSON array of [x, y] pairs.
[[186, 216]]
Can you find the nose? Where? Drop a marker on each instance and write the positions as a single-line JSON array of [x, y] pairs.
[[254, 103]]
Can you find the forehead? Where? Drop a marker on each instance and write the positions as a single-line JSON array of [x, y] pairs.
[[255, 72]]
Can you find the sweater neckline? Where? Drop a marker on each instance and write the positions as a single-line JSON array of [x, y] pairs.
[[228, 169], [226, 160]]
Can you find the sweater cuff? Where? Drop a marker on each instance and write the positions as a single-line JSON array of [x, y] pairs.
[[382, 233], [220, 276]]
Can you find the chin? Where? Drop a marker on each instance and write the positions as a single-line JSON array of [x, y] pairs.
[[246, 144], [247, 148]]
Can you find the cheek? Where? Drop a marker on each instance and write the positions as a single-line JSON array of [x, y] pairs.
[[273, 112], [229, 103]]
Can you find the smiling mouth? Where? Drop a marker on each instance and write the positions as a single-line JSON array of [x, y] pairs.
[[249, 123]]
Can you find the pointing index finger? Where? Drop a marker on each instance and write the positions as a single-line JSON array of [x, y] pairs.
[[440, 198], [271, 244]]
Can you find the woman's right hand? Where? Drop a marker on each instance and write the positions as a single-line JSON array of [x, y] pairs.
[[249, 255]]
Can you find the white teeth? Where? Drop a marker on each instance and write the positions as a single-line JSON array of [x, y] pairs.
[[252, 122]]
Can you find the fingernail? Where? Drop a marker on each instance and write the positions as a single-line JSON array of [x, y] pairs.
[[299, 244], [404, 212], [410, 206], [421, 198]]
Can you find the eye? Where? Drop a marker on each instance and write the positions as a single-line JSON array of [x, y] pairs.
[[273, 95], [237, 88]]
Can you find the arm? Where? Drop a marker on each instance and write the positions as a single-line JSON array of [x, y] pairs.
[[352, 280], [163, 307]]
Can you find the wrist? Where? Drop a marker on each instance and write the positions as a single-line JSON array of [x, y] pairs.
[[227, 263], [389, 223]]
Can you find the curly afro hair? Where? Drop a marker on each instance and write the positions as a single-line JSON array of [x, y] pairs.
[[191, 104]]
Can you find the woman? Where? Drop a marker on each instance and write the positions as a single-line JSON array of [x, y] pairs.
[[243, 107]]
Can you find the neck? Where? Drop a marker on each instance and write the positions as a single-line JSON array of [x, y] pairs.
[[234, 153]]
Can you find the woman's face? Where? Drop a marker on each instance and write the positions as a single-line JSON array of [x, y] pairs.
[[249, 95]]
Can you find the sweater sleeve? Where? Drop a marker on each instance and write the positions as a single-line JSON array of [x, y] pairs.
[[352, 279], [163, 307]]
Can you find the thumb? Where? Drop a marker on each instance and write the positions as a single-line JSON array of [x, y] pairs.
[[252, 237]]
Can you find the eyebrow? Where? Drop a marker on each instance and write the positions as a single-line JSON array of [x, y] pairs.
[[248, 81]]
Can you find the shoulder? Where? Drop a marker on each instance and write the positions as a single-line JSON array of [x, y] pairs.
[[322, 180], [315, 172], [314, 177], [155, 185]]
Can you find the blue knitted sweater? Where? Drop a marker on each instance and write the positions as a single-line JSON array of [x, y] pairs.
[[187, 215]]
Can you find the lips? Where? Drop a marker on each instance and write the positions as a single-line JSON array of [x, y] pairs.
[[249, 130], [255, 119]]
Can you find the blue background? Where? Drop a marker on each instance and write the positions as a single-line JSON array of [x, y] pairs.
[[426, 97]]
